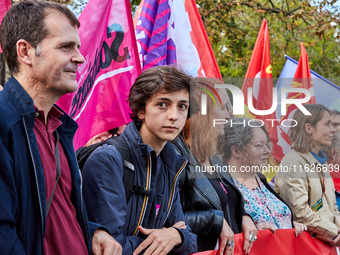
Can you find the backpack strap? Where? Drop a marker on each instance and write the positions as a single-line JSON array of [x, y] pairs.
[[129, 169], [83, 153]]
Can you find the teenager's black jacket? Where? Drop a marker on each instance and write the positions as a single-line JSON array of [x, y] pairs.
[[200, 202]]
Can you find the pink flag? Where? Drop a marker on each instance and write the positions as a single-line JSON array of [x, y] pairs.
[[111, 65], [4, 6]]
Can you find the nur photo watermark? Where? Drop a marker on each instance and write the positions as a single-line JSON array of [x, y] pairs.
[[222, 104]]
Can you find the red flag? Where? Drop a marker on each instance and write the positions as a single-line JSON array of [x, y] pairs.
[[302, 79], [283, 242], [172, 32], [259, 78], [4, 7], [111, 65], [209, 67]]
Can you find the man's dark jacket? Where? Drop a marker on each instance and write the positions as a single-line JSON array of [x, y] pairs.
[[22, 181]]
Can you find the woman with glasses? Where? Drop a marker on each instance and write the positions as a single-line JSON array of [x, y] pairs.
[[246, 148], [307, 186]]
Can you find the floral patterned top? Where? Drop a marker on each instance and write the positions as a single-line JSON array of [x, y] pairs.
[[263, 206]]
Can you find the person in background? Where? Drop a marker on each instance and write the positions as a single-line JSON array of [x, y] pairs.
[[82, 153], [335, 118], [151, 219], [332, 153], [102, 137], [306, 184], [41, 205], [212, 205], [246, 148], [105, 135], [85, 151]]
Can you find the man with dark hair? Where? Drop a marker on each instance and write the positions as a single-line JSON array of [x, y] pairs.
[[332, 153], [335, 118], [41, 204], [151, 219]]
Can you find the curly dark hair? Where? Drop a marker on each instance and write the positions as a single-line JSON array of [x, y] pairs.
[[238, 135], [165, 79]]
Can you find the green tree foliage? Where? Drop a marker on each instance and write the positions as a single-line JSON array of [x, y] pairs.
[[134, 5], [232, 27], [77, 6]]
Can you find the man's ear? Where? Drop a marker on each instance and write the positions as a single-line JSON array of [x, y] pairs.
[[308, 128], [235, 152], [333, 154], [24, 51], [141, 114]]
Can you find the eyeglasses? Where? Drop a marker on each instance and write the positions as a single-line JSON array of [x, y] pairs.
[[335, 124], [229, 106], [263, 146]]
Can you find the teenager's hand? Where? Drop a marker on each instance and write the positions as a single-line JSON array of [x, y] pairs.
[[248, 227], [266, 225], [299, 228], [105, 244], [180, 225], [159, 241], [226, 236]]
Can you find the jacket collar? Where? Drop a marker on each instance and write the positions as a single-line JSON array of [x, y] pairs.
[[69, 126], [308, 157], [16, 94], [168, 153], [24, 105], [198, 177]]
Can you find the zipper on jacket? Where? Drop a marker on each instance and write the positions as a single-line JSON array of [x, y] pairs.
[[87, 235], [146, 198], [200, 191], [227, 206], [36, 180], [173, 189]]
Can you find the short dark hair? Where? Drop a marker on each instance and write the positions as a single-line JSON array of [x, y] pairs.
[[25, 20], [335, 145], [334, 112], [165, 79], [238, 135], [300, 139]]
